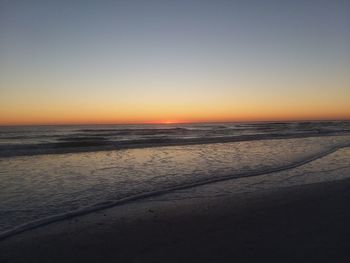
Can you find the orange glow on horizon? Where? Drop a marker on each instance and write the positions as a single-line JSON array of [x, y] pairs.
[[172, 112], [195, 119]]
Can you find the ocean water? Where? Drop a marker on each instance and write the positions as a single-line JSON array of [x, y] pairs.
[[50, 172], [31, 140]]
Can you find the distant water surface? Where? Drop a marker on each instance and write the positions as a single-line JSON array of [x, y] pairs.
[[30, 140]]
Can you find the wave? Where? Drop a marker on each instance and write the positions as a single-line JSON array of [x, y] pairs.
[[108, 204], [94, 143]]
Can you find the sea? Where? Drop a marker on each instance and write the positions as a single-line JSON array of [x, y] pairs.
[[49, 173]]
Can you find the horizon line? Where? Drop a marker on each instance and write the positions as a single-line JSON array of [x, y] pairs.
[[173, 122]]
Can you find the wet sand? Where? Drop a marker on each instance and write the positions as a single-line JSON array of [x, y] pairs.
[[308, 223]]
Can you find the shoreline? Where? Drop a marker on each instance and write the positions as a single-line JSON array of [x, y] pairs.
[[107, 205], [306, 223]]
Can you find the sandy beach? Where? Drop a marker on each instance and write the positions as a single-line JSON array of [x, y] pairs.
[[306, 223]]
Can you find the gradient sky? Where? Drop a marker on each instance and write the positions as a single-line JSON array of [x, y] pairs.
[[180, 60]]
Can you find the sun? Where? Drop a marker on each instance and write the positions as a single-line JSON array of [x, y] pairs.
[[169, 122]]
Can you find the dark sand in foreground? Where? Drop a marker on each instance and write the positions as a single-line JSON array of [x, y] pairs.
[[309, 223]]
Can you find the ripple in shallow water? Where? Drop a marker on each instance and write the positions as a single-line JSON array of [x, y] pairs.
[[35, 187]]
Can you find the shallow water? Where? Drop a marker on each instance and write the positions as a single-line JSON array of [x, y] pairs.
[[40, 186], [332, 167]]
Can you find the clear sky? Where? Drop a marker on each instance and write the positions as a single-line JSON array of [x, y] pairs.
[[173, 60]]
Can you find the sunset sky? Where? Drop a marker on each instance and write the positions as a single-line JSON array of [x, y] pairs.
[[173, 61]]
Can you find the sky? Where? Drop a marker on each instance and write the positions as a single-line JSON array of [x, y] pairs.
[[64, 62]]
